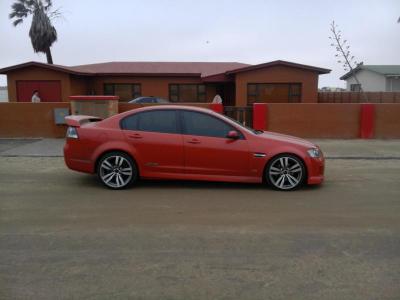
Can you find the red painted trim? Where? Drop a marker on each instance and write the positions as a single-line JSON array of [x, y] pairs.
[[85, 97], [260, 116], [367, 120], [217, 107]]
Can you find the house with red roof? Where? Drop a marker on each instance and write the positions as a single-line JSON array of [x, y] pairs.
[[238, 84]]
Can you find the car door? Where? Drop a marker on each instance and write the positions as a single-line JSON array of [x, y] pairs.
[[157, 141], [208, 151]]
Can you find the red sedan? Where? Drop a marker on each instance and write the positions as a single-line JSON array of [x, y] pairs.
[[180, 142]]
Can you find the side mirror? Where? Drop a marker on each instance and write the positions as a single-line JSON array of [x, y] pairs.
[[233, 134]]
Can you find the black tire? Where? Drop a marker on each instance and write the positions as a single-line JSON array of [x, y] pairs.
[[285, 172], [117, 170]]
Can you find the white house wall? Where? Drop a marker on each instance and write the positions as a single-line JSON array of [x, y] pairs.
[[370, 81]]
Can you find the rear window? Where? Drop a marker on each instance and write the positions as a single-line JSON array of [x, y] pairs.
[[130, 122], [164, 121]]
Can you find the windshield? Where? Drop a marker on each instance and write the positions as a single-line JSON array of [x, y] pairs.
[[255, 131]]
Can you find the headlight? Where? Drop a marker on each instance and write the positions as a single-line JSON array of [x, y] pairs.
[[314, 152], [72, 133]]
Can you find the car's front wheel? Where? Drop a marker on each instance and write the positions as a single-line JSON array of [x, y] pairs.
[[117, 170], [285, 172]]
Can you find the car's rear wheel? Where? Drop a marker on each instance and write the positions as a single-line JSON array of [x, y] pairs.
[[285, 172], [117, 170]]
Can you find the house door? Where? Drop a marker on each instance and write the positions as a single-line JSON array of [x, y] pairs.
[[227, 93], [49, 90]]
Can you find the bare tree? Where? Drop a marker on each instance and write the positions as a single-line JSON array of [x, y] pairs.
[[343, 53]]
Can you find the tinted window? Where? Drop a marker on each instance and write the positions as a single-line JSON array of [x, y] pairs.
[[130, 122], [156, 121], [201, 124]]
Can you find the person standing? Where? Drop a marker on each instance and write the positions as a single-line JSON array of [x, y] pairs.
[[35, 97], [217, 99]]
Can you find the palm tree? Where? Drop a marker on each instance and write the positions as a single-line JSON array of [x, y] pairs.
[[42, 32]]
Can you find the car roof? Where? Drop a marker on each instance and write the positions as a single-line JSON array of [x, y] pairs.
[[142, 97], [120, 116], [170, 106]]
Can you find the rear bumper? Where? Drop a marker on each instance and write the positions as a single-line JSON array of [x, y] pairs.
[[316, 169], [74, 163]]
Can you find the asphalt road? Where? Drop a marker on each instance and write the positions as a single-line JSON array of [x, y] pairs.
[[64, 236]]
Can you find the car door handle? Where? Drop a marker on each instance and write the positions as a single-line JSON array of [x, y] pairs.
[[194, 141], [135, 136]]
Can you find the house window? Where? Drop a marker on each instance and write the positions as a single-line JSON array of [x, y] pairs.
[[187, 93], [273, 92], [125, 91], [355, 87]]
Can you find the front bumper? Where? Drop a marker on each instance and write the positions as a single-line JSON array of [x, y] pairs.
[[316, 169]]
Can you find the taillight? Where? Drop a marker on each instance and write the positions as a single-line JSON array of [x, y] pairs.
[[72, 133]]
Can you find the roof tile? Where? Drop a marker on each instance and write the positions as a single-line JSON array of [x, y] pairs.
[[201, 68]]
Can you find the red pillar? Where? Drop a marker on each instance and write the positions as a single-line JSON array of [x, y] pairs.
[[367, 120], [217, 107], [260, 116]]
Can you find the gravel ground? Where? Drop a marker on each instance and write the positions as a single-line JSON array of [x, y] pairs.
[[64, 236]]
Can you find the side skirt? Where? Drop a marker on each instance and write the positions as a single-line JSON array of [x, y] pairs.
[[202, 177]]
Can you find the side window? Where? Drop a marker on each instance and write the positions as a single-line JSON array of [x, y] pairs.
[[155, 121], [201, 124], [158, 121], [130, 122]]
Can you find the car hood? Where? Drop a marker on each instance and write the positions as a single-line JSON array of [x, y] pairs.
[[286, 138]]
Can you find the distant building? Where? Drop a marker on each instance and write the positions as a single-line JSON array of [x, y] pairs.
[[374, 78], [3, 94], [331, 89]]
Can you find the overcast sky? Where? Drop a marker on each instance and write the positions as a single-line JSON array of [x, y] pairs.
[[249, 31]]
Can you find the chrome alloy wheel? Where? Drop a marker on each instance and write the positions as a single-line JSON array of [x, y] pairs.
[[286, 172], [116, 171]]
